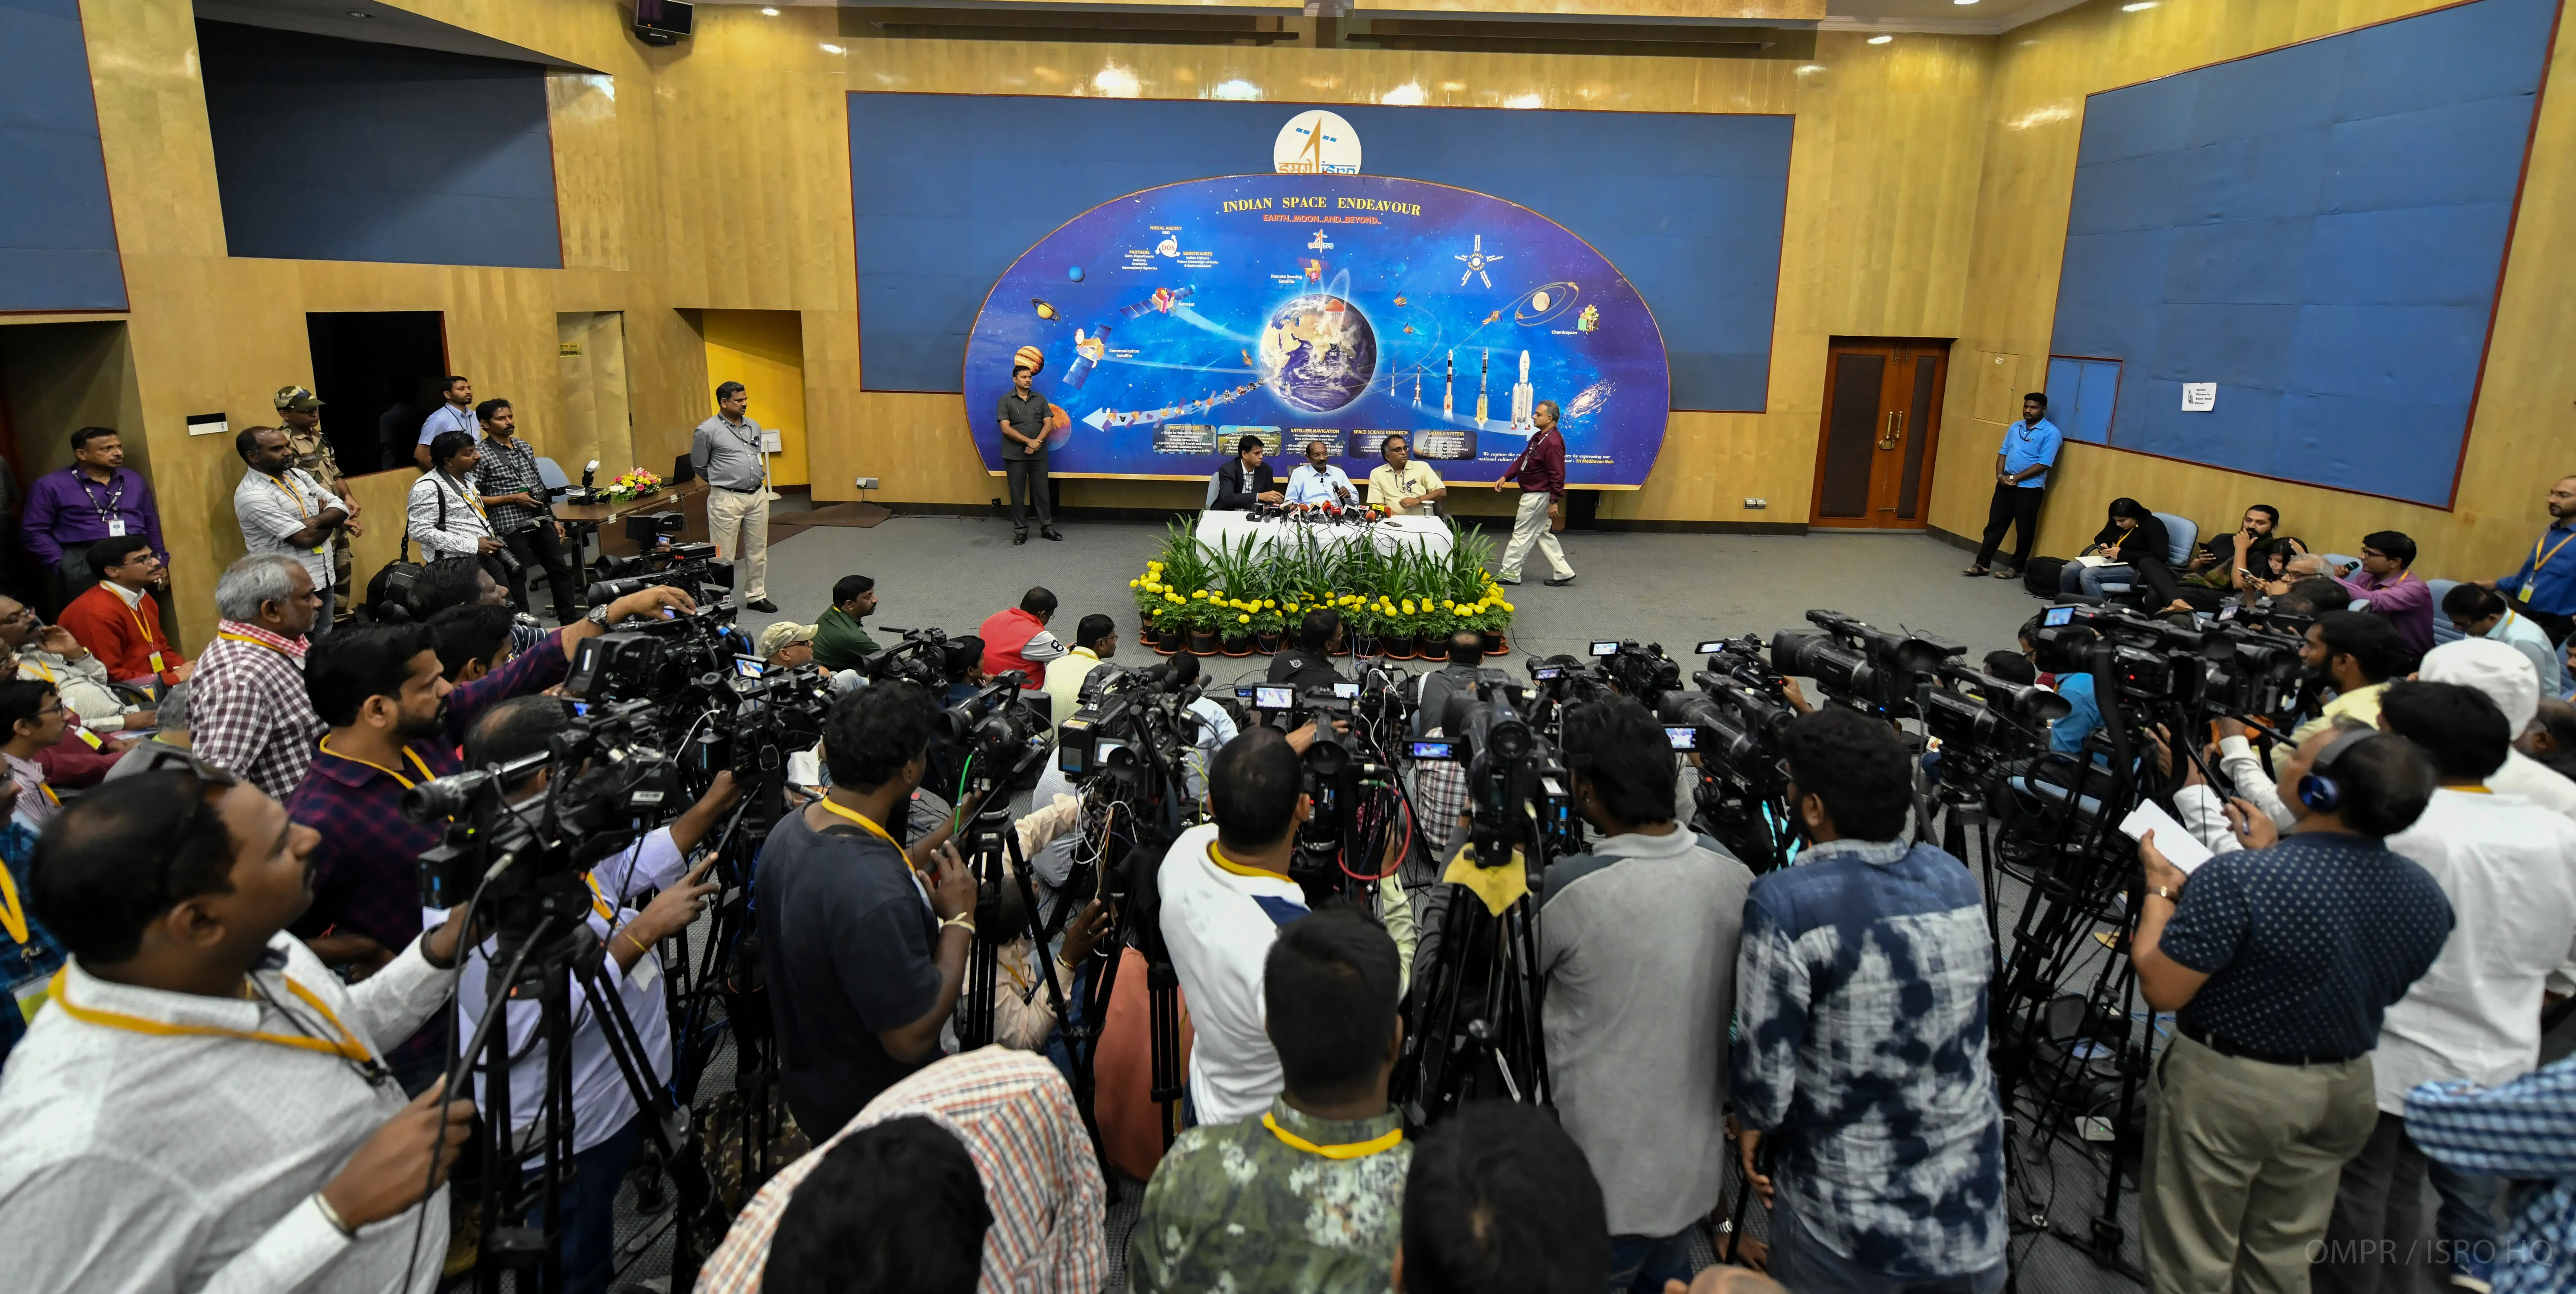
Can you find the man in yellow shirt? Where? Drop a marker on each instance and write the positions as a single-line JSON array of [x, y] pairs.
[[1403, 486], [1094, 640], [2357, 653]]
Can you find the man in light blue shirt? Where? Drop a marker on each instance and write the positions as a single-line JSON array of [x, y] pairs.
[[1317, 481], [454, 413], [2021, 478]]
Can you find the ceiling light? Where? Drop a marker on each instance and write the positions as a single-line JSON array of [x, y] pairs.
[[1880, 40], [2135, 7], [1963, 1], [774, 13], [831, 49]]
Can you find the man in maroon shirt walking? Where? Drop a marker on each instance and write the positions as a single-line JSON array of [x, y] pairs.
[[1540, 475]]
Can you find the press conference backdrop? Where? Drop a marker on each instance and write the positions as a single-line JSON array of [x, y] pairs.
[[2318, 230], [949, 190], [57, 237]]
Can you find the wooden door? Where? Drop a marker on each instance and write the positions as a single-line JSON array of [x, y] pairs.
[[1882, 428]]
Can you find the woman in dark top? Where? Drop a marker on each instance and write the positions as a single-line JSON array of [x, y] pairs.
[[2135, 541]]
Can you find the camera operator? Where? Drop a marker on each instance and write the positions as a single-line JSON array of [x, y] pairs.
[[2508, 867], [606, 1131], [2084, 709], [2355, 653], [1017, 638], [2277, 962], [1500, 1201], [394, 723], [1310, 663], [472, 641], [1095, 639], [1225, 893], [961, 662], [1861, 1000], [1457, 678], [1652, 914], [1216, 728], [864, 955], [204, 1105], [840, 639]]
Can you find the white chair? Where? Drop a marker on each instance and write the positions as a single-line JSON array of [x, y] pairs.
[[1211, 494]]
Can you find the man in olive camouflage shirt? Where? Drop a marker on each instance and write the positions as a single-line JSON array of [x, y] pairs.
[[1309, 1196], [300, 412]]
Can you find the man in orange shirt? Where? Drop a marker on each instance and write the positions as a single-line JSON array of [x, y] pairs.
[[118, 620]]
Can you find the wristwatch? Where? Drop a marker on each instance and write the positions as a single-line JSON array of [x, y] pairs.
[[598, 615]]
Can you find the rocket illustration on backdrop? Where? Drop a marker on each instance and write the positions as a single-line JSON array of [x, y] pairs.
[[1524, 399], [1483, 358], [1449, 388]]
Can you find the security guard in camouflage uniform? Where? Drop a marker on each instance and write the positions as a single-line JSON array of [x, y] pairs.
[[300, 412], [1310, 1195]]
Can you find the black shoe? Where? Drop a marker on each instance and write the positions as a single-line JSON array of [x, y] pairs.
[[1019, 536], [1560, 582], [762, 605], [1050, 533]]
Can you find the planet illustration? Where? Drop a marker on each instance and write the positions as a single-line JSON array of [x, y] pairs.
[[1030, 358], [1544, 302], [1073, 272], [1318, 353], [1044, 310], [1059, 426]]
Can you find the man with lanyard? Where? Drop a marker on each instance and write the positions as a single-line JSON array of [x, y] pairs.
[[1539, 473], [455, 413], [283, 510], [840, 641], [203, 1106], [301, 413], [393, 725], [1403, 485], [2545, 588], [247, 702], [506, 473], [119, 621], [49, 654], [1317, 481], [2021, 483], [730, 453], [1024, 416], [97, 496], [1308, 1195]]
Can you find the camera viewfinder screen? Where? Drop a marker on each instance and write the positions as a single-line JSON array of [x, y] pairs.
[[749, 666], [1347, 691], [2057, 616], [1545, 672], [1711, 648], [1605, 649], [1274, 698], [1434, 750], [1683, 737]]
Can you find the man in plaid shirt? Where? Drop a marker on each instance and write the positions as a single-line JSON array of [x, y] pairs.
[[508, 480], [2524, 1130], [395, 722], [247, 703]]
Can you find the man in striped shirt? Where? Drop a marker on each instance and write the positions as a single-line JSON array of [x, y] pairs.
[[247, 699]]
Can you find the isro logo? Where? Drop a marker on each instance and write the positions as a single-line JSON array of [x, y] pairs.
[[1316, 142]]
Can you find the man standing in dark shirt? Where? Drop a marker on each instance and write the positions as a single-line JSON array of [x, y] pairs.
[[1024, 454], [864, 954], [1539, 473], [2278, 964]]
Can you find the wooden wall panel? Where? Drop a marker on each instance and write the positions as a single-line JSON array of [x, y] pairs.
[[2520, 437]]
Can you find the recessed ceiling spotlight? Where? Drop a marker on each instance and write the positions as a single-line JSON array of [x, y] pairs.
[[831, 49], [773, 12], [1880, 40]]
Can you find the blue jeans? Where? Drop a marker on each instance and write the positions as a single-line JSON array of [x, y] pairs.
[[1643, 1263], [590, 1209], [322, 619], [2376, 1205], [1802, 1263], [2088, 580]]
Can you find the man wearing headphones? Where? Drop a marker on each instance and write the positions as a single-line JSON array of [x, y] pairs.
[[2278, 962]]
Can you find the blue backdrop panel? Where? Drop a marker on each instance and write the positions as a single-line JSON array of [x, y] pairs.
[[338, 150], [2319, 230], [57, 237], [948, 190]]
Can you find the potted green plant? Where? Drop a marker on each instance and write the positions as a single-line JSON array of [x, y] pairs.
[[1267, 623]]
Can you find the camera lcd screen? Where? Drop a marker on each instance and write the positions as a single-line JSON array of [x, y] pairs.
[[2057, 616], [749, 666], [1543, 673], [1683, 737], [1346, 691], [1274, 698], [1433, 750], [1713, 648], [1605, 649], [580, 709]]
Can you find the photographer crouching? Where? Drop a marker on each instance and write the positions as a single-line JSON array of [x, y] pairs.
[[607, 1127], [205, 1106]]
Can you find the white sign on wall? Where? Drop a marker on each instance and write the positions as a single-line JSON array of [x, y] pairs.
[[1316, 142], [2199, 397]]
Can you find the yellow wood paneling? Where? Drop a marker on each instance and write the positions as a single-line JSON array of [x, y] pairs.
[[765, 351], [2520, 439]]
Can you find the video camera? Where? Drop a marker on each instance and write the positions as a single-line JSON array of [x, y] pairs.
[[921, 658], [1733, 723], [999, 735], [692, 568], [1130, 725], [1873, 670]]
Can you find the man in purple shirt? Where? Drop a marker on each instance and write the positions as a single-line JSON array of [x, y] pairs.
[[97, 496], [1539, 473], [395, 722], [2393, 593]]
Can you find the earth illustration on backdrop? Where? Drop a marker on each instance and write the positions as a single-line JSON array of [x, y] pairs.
[[1318, 352]]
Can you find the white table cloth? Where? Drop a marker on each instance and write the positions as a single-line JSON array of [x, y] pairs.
[[1224, 529]]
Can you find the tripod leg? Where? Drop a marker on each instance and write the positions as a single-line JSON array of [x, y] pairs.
[[666, 1125]]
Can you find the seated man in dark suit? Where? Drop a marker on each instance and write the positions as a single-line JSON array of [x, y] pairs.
[[1245, 480]]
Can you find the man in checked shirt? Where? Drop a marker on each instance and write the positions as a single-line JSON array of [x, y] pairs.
[[247, 703], [507, 477]]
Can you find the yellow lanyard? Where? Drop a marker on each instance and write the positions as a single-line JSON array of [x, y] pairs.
[[13, 914], [598, 901], [255, 642], [145, 634], [2540, 559], [295, 496], [472, 500], [1239, 869], [863, 820], [348, 1047], [2473, 790], [324, 745], [41, 671], [1346, 1150]]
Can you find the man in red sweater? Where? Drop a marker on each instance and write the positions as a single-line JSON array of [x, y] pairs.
[[1018, 638], [118, 620]]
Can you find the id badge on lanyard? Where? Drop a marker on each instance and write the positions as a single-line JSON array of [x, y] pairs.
[[116, 528]]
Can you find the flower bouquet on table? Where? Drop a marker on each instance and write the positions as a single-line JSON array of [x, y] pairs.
[[633, 483]]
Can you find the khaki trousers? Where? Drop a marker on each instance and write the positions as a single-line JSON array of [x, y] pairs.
[[738, 525], [2242, 1162], [1529, 526]]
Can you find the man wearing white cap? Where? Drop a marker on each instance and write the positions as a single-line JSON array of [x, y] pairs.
[[2506, 678]]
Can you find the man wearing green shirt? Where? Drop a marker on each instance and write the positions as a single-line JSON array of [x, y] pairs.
[[839, 642]]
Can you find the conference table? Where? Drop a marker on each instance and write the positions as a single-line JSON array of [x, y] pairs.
[[1227, 529]]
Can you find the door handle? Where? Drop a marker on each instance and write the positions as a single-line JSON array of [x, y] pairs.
[[1895, 429]]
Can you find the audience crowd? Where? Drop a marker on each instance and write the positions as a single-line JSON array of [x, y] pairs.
[[234, 1060]]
